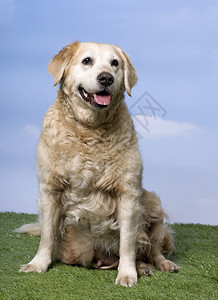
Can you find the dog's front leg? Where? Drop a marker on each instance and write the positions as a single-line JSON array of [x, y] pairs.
[[128, 217], [49, 211]]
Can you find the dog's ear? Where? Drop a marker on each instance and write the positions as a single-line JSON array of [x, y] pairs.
[[130, 77], [59, 63]]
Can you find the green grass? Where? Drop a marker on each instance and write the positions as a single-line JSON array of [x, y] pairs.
[[196, 253]]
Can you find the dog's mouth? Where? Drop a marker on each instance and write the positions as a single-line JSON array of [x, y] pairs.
[[98, 100]]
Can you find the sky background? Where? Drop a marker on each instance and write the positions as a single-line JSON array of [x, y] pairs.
[[174, 48]]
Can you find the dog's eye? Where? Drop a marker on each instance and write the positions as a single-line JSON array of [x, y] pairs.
[[87, 61], [115, 63]]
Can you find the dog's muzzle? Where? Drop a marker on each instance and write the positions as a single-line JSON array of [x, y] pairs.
[[102, 98], [98, 100]]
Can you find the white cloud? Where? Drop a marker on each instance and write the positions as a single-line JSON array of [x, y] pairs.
[[155, 127], [31, 131]]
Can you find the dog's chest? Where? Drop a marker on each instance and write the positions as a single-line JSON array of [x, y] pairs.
[[91, 196], [92, 211], [94, 165]]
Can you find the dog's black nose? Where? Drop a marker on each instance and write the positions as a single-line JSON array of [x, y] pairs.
[[105, 78]]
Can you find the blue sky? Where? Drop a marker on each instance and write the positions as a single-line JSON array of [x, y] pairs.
[[174, 47]]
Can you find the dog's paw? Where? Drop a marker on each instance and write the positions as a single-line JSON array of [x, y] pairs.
[[144, 269], [38, 264], [31, 267], [126, 279], [168, 266]]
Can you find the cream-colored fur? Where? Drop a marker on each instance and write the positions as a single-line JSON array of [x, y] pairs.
[[92, 207]]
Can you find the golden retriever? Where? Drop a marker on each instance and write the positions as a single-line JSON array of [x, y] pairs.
[[93, 210]]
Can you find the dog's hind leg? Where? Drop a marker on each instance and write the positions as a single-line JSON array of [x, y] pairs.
[[160, 262], [159, 235], [161, 239], [144, 269]]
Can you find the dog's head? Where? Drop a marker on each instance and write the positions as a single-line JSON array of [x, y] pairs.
[[93, 72]]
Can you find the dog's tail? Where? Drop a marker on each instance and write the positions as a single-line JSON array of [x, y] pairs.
[[33, 229]]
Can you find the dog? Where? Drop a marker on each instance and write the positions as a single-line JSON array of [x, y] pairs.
[[93, 210]]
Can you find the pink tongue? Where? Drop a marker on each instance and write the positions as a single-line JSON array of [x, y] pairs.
[[102, 100]]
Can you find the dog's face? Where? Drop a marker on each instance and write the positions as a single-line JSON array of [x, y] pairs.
[[93, 72], [98, 73]]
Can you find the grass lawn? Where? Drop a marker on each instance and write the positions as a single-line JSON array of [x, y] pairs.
[[196, 254]]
